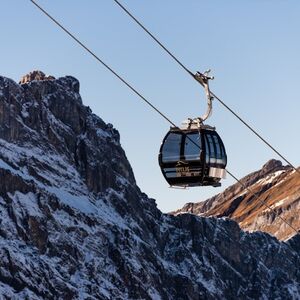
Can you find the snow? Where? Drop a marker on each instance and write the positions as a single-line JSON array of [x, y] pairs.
[[71, 192], [6, 166], [28, 202], [57, 167], [80, 239], [122, 181], [80, 203], [24, 111], [279, 203], [153, 294], [270, 177], [53, 120], [19, 119], [101, 133], [285, 200], [8, 291], [293, 290]]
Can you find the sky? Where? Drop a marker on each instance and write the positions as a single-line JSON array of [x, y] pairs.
[[252, 47]]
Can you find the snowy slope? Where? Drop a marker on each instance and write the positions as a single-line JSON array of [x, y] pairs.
[[74, 225], [277, 196]]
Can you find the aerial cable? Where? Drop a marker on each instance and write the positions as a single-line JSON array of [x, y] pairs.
[[262, 202], [102, 62], [154, 38], [128, 85], [194, 76], [255, 132]]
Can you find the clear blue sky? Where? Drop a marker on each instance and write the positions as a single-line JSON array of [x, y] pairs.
[[252, 46]]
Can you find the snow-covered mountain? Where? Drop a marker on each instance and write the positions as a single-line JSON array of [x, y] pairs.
[[74, 225], [277, 198]]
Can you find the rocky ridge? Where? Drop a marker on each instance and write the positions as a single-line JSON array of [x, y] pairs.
[[275, 185], [74, 224]]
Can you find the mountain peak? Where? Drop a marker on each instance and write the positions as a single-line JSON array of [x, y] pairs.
[[48, 115], [35, 75], [74, 224], [273, 186], [272, 165]]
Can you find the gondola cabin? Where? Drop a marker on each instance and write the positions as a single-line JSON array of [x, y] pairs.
[[193, 156]]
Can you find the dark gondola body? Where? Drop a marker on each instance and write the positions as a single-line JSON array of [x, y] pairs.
[[193, 157]]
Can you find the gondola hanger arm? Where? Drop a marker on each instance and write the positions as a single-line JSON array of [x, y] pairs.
[[203, 79]]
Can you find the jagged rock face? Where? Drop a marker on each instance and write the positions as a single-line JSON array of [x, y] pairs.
[[47, 118], [275, 186], [35, 75], [74, 225]]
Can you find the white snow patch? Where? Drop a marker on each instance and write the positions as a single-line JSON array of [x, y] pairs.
[[6, 166], [122, 180], [270, 177], [154, 295], [24, 111], [81, 203], [245, 191], [27, 201], [294, 291], [101, 133], [285, 200], [279, 203]]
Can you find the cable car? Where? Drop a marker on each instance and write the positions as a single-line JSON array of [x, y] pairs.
[[194, 155]]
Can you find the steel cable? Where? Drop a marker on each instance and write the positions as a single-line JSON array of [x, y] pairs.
[[190, 73], [133, 89]]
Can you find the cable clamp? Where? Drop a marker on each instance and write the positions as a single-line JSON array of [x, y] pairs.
[[203, 78]]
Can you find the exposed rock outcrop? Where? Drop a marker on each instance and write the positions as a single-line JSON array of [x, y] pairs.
[[35, 75], [275, 186], [74, 225]]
